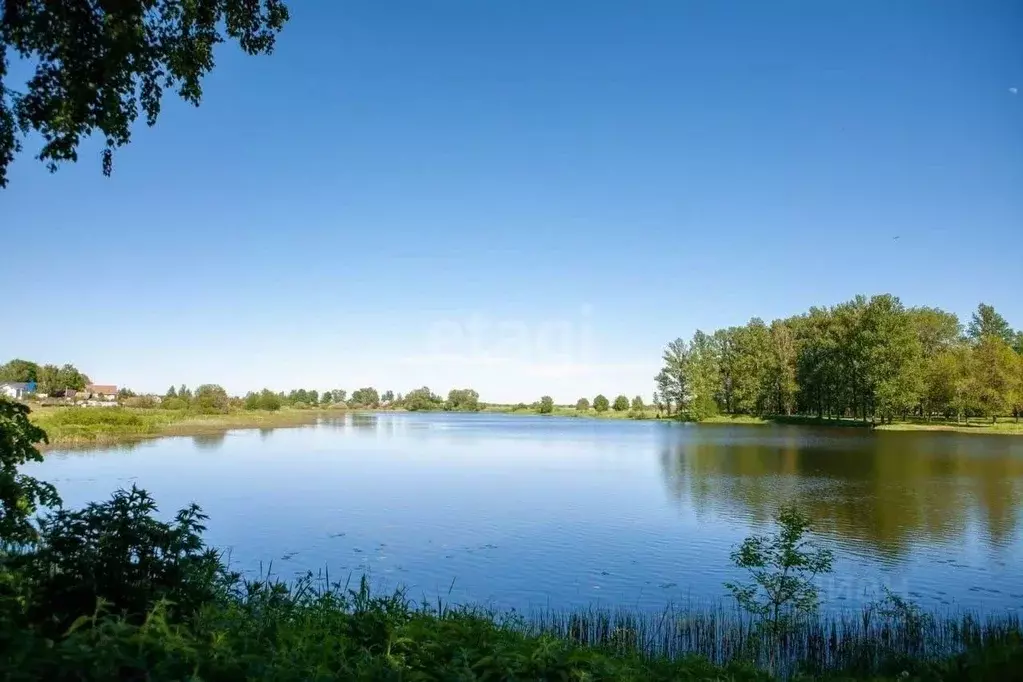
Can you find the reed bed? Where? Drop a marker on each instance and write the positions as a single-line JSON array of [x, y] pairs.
[[876, 638]]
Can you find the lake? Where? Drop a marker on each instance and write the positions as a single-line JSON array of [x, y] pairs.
[[534, 512]]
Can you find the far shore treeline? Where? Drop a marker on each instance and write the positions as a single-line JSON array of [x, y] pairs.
[[869, 359]]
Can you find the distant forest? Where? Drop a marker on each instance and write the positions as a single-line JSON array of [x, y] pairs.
[[871, 359]]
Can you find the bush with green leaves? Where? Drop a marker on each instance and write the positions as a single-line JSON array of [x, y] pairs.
[[546, 405], [264, 400], [20, 495], [422, 399], [174, 404], [463, 400], [782, 567], [601, 403], [582, 405], [117, 552], [621, 404]]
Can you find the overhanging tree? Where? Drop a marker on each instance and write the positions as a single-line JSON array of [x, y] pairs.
[[98, 65]]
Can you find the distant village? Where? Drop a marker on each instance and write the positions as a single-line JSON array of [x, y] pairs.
[[93, 395]]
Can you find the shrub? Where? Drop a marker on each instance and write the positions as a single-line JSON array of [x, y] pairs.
[[582, 405], [463, 400], [144, 402], [118, 553], [212, 399], [601, 403], [546, 405], [174, 404], [20, 495], [782, 567], [422, 399], [621, 404]]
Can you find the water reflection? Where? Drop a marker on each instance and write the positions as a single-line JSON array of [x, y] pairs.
[[533, 510], [363, 420], [209, 441], [883, 491]]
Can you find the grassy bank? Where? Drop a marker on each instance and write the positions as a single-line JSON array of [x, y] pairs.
[[76, 426], [71, 426], [1005, 426], [315, 630]]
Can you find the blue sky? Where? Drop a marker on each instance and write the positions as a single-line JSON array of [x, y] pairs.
[[528, 196]]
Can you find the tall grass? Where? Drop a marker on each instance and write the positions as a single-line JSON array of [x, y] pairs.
[[84, 424], [91, 425], [873, 640]]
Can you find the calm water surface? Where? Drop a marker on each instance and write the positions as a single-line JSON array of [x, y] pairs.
[[533, 512]]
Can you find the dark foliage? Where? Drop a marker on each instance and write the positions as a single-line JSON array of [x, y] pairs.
[[97, 64]]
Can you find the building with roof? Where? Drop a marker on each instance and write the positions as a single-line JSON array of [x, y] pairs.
[[100, 392], [17, 389]]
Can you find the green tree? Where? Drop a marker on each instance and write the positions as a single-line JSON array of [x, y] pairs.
[[49, 380], [98, 65], [422, 399], [751, 383], [270, 401], [582, 405], [340, 395], [251, 401], [947, 382], [702, 369], [817, 362], [365, 397], [782, 568], [621, 404], [936, 329], [69, 377], [893, 357], [724, 342], [673, 379], [662, 381], [22, 371], [994, 377], [387, 397], [463, 400], [781, 369], [637, 404], [212, 399], [174, 404], [20, 495], [546, 405], [987, 322], [171, 393], [601, 403]]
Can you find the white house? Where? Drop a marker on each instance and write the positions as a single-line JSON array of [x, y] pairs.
[[16, 389]]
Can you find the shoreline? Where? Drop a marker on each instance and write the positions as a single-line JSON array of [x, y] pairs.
[[135, 425], [127, 425], [1005, 427]]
